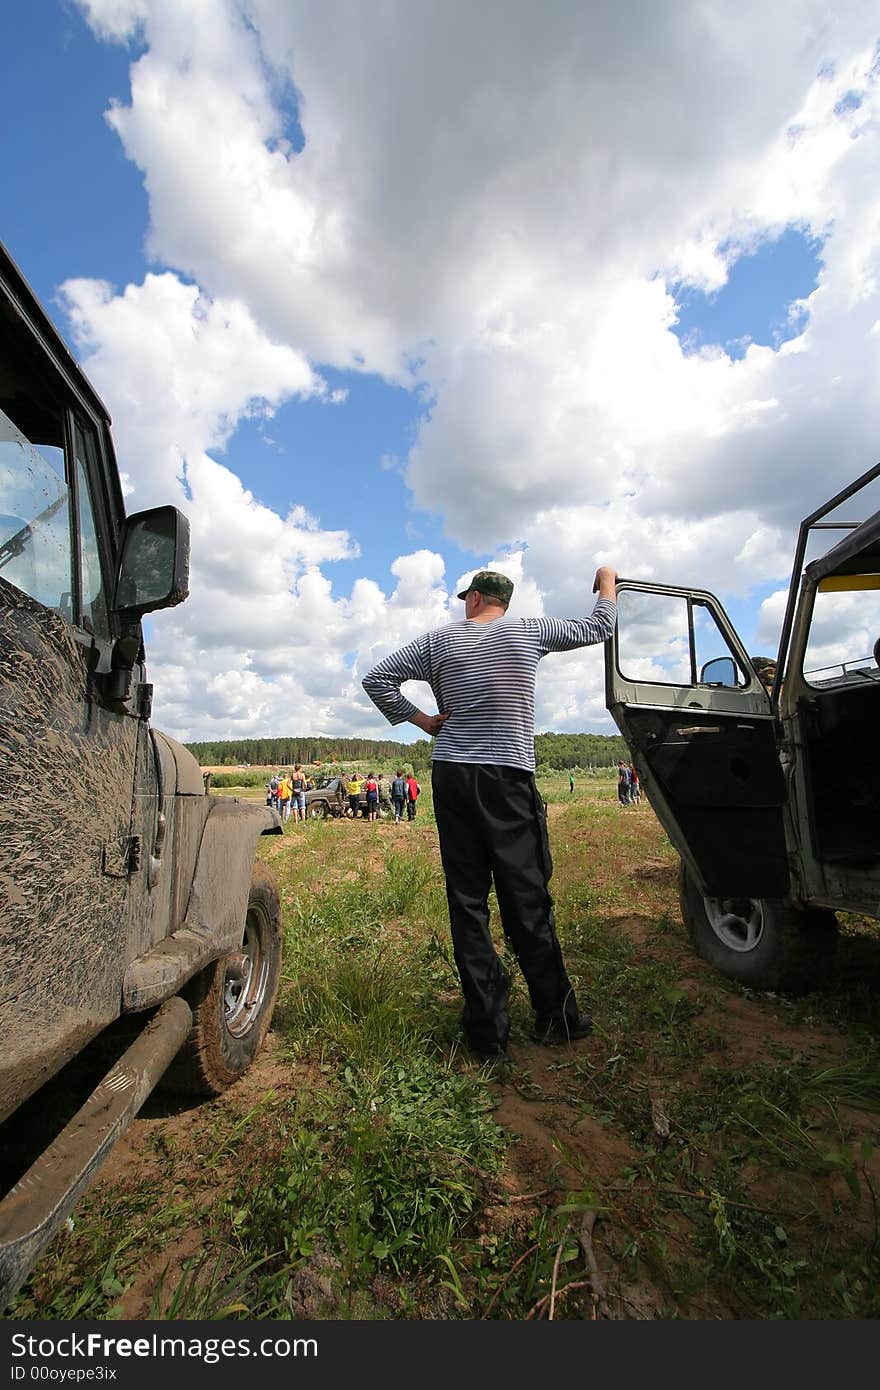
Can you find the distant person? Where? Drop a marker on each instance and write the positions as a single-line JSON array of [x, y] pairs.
[[371, 787], [623, 783], [571, 781], [353, 787], [298, 793], [284, 792], [273, 791], [765, 670], [384, 792], [413, 791], [635, 786], [490, 817], [398, 795]]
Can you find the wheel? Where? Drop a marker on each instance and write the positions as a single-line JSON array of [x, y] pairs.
[[317, 810], [763, 943], [232, 999]]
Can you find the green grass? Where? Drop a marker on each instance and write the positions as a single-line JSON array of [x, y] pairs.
[[382, 1183]]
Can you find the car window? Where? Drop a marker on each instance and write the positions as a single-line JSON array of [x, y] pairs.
[[844, 628], [673, 639], [35, 550]]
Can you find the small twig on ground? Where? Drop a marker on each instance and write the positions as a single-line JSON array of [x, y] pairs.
[[508, 1276], [521, 1196], [585, 1240], [537, 1308], [659, 1118], [697, 1196], [559, 1249]]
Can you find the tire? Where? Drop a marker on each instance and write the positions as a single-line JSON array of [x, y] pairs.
[[232, 1011], [317, 810], [762, 943]]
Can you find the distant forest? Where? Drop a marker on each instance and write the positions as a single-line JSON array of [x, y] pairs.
[[551, 751]]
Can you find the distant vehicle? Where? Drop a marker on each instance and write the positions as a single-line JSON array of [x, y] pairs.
[[330, 798], [127, 889], [771, 799]]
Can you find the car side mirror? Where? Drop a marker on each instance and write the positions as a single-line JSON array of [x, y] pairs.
[[154, 568], [721, 671]]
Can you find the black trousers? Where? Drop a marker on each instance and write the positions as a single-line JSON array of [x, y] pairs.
[[493, 828]]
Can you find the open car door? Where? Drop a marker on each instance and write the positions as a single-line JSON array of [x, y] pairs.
[[698, 723]]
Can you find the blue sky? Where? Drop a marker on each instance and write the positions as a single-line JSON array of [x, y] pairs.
[[757, 303], [335, 276]]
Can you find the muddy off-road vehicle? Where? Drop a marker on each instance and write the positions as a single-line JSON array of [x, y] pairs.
[[130, 898], [771, 797], [331, 799]]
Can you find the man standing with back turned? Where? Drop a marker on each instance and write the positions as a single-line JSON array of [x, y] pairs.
[[490, 816]]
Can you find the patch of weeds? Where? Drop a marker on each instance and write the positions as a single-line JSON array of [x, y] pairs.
[[88, 1266], [207, 1290], [775, 1119], [407, 884], [393, 1180]]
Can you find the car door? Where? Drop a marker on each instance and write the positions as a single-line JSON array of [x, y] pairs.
[[829, 705], [698, 724], [66, 756]]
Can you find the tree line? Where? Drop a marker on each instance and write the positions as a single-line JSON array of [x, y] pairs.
[[551, 750]]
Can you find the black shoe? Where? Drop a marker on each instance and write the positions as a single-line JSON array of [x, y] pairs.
[[554, 1032], [497, 1066], [496, 1053]]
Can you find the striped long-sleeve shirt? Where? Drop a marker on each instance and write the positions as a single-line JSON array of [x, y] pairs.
[[483, 675]]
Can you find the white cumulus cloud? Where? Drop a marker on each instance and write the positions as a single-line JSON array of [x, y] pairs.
[[495, 205]]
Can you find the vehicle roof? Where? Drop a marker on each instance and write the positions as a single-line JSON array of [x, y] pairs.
[[19, 291], [857, 553]]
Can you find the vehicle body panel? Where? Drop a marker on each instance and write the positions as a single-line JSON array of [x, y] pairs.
[[216, 904], [831, 739], [66, 766]]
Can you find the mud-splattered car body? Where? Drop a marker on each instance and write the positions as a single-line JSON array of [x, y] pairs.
[[122, 882]]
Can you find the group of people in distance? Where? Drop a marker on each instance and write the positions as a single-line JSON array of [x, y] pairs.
[[365, 796], [401, 795], [286, 791], [629, 791]]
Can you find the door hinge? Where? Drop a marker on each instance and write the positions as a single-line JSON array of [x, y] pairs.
[[144, 700], [122, 857]]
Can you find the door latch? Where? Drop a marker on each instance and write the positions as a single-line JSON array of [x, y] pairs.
[[122, 857]]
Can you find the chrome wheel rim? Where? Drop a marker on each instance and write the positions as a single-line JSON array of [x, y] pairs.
[[737, 922], [244, 993]]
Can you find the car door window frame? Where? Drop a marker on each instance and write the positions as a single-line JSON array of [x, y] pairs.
[[620, 686], [86, 469]]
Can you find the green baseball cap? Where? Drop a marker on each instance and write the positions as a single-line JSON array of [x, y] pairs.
[[492, 584]]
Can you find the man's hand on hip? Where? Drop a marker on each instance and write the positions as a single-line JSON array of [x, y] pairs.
[[431, 724]]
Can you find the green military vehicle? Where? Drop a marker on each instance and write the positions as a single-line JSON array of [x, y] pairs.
[[127, 892]]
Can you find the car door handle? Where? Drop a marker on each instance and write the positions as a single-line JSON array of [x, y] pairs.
[[699, 729]]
